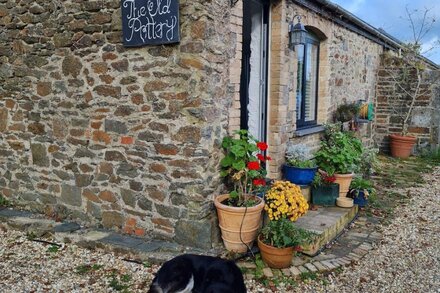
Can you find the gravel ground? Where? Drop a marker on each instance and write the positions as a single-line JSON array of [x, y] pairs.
[[407, 260]]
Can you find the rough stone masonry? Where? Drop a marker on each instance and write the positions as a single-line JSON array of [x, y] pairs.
[[123, 138]]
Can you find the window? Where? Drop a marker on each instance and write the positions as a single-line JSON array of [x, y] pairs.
[[307, 82]]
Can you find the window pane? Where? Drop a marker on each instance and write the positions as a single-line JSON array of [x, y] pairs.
[[310, 84], [299, 81]]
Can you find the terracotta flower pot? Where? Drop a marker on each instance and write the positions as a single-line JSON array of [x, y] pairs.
[[230, 222], [274, 257], [344, 181], [401, 146]]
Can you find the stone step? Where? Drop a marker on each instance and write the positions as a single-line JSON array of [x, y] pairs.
[[327, 223]]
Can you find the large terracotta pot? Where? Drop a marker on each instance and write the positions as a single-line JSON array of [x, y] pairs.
[[276, 258], [344, 181], [236, 221], [401, 146]]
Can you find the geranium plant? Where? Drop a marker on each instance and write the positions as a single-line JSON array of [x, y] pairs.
[[323, 179], [284, 205], [340, 152], [243, 165]]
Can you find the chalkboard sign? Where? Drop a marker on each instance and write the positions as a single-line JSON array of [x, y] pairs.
[[150, 22]]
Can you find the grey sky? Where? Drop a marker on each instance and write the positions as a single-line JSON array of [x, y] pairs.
[[391, 16]]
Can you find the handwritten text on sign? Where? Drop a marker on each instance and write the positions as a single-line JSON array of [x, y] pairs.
[[150, 22]]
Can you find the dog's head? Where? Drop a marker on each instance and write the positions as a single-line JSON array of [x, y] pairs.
[[173, 277]]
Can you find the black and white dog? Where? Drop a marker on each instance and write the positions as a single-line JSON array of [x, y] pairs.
[[199, 274]]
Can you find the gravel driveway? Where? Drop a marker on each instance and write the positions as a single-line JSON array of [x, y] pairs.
[[407, 260]]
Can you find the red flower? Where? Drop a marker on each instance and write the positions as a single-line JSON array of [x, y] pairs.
[[258, 182], [262, 146], [253, 166], [268, 158], [298, 248], [329, 179], [261, 157]]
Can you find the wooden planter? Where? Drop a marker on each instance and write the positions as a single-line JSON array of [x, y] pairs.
[[276, 258], [401, 146], [325, 195], [238, 224]]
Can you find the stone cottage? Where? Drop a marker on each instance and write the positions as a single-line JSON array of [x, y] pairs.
[[129, 138]]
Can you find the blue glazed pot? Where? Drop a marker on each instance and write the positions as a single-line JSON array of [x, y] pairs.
[[299, 176], [358, 197]]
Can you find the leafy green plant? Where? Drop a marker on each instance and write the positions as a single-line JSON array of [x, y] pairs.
[[30, 235], [298, 155], [359, 184], [302, 164], [346, 112], [340, 152], [369, 161], [323, 179], [282, 233], [281, 279], [432, 156], [243, 164], [308, 276], [84, 269], [53, 248], [3, 202], [120, 284], [259, 264]]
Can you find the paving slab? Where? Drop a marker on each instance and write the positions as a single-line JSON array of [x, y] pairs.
[[66, 228], [10, 213], [295, 272], [121, 240]]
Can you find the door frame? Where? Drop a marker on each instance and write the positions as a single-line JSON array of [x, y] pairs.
[[245, 66]]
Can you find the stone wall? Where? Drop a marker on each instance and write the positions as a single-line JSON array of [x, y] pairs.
[[123, 138], [392, 101], [348, 64]]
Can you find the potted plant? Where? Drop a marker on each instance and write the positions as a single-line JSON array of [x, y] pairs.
[[412, 81], [279, 238], [324, 190], [340, 154], [346, 112], [239, 211], [299, 168], [360, 190]]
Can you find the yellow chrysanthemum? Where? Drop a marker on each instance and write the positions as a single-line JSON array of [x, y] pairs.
[[285, 199]]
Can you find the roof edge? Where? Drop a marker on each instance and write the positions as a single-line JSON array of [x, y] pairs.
[[350, 21]]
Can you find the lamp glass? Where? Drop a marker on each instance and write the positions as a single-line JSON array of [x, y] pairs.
[[298, 34]]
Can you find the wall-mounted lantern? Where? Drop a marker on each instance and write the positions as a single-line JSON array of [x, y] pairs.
[[297, 33]]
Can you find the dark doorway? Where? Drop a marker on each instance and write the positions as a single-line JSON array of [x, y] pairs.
[[253, 86]]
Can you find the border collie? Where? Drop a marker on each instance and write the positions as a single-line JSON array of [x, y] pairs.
[[198, 274]]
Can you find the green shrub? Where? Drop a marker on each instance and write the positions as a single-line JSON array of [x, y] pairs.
[[282, 233], [340, 152]]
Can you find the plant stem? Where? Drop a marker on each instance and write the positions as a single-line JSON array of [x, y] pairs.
[[414, 97]]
